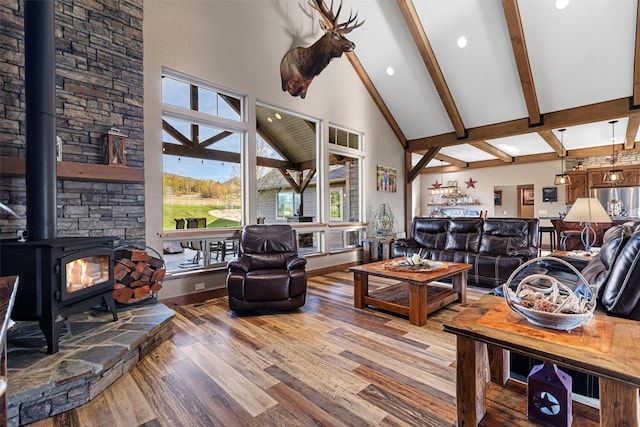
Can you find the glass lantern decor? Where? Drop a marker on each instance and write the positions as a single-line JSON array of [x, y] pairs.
[[114, 148]]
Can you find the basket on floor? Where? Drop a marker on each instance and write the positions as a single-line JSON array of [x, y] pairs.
[[546, 302]]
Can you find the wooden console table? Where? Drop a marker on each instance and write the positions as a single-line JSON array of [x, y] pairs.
[[606, 347]]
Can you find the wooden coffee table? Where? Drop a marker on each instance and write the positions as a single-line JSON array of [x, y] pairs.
[[416, 296]]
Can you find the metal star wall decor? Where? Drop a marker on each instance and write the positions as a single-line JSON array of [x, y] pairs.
[[437, 184], [471, 183]]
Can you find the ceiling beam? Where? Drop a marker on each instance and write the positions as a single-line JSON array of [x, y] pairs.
[[413, 173], [601, 111], [636, 64], [488, 148], [553, 142], [426, 52], [520, 160], [516, 33], [451, 160], [632, 131]]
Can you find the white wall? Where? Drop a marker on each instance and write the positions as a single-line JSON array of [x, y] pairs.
[[239, 45], [539, 174]]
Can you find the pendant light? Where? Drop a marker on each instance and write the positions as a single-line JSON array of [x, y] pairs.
[[614, 175], [562, 178]]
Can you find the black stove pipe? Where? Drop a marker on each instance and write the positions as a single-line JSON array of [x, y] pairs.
[[40, 90]]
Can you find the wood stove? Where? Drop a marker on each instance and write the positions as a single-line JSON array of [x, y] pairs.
[[59, 277]]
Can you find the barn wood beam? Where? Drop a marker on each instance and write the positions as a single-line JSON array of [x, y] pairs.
[[307, 179], [531, 158], [601, 111], [177, 135], [553, 142], [292, 182], [632, 131], [377, 98], [636, 64], [215, 138], [451, 160], [519, 46], [221, 156], [195, 128], [182, 151], [488, 148], [273, 142], [429, 58], [426, 158]]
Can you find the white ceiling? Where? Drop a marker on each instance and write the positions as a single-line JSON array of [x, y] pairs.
[[580, 55]]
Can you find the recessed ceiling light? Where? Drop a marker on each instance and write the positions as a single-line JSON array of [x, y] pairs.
[[462, 42], [269, 119], [561, 4], [389, 71], [278, 116]]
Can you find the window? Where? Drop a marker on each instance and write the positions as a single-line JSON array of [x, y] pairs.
[[345, 177], [286, 152], [335, 212], [344, 138], [345, 191], [288, 204], [202, 153]]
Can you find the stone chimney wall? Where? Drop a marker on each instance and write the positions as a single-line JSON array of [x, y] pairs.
[[99, 85]]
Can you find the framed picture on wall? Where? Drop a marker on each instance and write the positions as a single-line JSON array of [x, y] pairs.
[[497, 197], [528, 196], [386, 179]]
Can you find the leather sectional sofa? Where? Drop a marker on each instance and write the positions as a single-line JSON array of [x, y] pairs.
[[494, 246]]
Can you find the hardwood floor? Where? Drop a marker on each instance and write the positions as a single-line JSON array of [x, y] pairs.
[[326, 364]]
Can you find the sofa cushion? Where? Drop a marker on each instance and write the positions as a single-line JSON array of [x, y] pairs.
[[620, 295], [597, 271], [464, 234], [430, 233], [504, 237]]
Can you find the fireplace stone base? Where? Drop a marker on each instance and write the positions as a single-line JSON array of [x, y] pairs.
[[94, 352]]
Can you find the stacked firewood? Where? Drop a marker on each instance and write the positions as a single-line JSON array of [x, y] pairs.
[[137, 275]]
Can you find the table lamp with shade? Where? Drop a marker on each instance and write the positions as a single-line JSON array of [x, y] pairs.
[[587, 211]]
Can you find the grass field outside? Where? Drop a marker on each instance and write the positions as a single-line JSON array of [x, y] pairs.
[[171, 211]]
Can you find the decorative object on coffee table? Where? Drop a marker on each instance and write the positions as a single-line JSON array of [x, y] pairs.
[[546, 302], [416, 264], [549, 396]]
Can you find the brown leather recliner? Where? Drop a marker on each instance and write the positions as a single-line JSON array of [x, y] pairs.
[[268, 273]]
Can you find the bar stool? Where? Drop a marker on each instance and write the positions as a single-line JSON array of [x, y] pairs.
[[551, 230]]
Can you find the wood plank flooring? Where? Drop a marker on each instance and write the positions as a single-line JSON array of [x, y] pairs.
[[327, 364]]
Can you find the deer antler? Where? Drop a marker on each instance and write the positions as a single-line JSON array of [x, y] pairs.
[[333, 18]]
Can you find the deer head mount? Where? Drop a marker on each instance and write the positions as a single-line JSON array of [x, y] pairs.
[[301, 64]]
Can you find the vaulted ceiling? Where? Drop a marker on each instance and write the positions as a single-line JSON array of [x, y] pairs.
[[530, 68]]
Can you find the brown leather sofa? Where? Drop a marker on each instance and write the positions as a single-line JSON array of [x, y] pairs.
[[268, 273], [494, 246]]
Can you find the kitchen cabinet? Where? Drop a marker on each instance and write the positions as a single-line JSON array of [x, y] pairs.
[[631, 176], [579, 187]]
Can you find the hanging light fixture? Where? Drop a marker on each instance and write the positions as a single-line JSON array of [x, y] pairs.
[[562, 178], [614, 175]]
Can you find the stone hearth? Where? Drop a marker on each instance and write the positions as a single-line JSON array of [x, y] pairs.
[[94, 353]]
